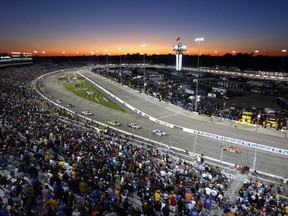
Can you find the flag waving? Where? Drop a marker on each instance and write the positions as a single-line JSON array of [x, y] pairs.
[[178, 39]]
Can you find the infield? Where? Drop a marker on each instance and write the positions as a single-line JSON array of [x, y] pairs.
[[81, 87]]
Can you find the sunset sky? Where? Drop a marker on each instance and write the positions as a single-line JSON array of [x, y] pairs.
[[67, 27]]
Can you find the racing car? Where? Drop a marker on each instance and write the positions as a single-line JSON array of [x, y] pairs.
[[230, 148], [113, 123]]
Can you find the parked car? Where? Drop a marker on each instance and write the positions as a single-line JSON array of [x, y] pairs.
[[113, 123], [134, 125], [159, 133], [230, 148], [87, 113]]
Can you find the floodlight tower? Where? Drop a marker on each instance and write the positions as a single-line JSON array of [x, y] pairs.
[[197, 39], [179, 48]]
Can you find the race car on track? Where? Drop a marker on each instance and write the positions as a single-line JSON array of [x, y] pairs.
[[159, 133], [113, 123], [230, 148], [134, 125], [87, 113]]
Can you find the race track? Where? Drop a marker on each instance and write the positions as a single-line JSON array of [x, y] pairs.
[[265, 161]]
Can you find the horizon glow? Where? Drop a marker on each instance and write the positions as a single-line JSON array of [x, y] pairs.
[[76, 28]]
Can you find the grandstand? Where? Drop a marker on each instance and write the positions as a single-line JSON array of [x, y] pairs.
[[56, 165], [15, 59]]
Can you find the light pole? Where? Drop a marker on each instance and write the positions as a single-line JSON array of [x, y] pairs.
[[233, 52], [120, 65], [258, 121], [255, 157], [144, 87], [35, 53], [216, 56], [97, 57], [93, 57], [106, 57], [221, 154], [106, 50], [197, 39], [195, 141], [283, 57], [151, 131], [256, 53], [43, 55]]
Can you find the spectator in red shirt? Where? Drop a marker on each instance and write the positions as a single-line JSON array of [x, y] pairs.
[[173, 204]]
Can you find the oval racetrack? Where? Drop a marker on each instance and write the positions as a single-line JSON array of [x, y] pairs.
[[264, 161]]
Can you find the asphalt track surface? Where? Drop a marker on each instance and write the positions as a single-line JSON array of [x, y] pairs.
[[270, 163]]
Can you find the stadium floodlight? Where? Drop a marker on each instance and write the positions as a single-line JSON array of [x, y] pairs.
[[106, 57], [256, 52], [120, 63], [282, 62], [197, 39], [143, 45]]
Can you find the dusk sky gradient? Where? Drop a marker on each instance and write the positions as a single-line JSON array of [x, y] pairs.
[[71, 26]]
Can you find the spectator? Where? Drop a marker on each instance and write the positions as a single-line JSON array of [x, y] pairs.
[[4, 211], [76, 212], [194, 212], [207, 203], [190, 205], [157, 208], [188, 196], [166, 210], [180, 205], [173, 203], [157, 196]]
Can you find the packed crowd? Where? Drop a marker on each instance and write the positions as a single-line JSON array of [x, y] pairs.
[[258, 198], [57, 166]]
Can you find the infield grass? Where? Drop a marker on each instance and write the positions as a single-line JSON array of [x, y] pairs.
[[81, 87]]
